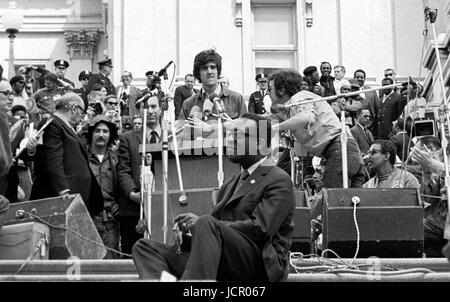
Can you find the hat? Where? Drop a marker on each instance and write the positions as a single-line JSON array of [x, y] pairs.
[[16, 79], [113, 135], [106, 62], [261, 75], [63, 63], [354, 83], [149, 73], [85, 74], [309, 70], [19, 102]]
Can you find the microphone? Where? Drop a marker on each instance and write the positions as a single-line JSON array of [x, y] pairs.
[[164, 70], [218, 102]]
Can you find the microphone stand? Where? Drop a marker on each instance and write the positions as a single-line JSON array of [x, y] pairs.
[[344, 151], [165, 168], [431, 15], [220, 112]]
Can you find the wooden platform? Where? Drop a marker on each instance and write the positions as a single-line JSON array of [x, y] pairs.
[[124, 270]]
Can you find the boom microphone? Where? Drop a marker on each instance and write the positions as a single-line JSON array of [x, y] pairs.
[[164, 70]]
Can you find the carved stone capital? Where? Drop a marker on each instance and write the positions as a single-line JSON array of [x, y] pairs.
[[81, 43]]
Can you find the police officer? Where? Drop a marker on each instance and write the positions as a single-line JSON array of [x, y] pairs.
[[83, 77], [105, 68], [60, 71], [260, 101]]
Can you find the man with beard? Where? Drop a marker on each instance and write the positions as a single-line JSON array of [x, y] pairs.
[[129, 173], [248, 234], [326, 80], [62, 161], [103, 162], [382, 155]]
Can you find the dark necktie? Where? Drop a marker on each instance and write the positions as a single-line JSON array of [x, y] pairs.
[[244, 175], [153, 137], [367, 135]]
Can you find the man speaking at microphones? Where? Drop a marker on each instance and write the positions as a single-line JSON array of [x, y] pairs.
[[207, 69]]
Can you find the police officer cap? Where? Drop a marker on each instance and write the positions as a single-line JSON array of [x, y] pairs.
[[107, 62], [85, 74], [309, 70], [62, 63], [149, 73], [261, 76]]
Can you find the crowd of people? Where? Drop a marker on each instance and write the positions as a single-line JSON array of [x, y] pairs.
[[57, 140]]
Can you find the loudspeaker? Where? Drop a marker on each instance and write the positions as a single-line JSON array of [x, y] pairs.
[[19, 241], [69, 221], [390, 223], [301, 237]]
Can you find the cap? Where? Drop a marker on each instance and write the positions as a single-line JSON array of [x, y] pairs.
[[16, 79], [261, 76], [149, 73], [309, 70], [107, 121], [61, 62], [20, 102], [106, 62], [85, 74], [354, 83]]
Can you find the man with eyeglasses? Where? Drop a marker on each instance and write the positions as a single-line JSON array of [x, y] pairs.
[[382, 156], [259, 101], [62, 161], [360, 131]]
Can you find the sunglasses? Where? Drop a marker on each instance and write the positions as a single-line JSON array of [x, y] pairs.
[[388, 74], [112, 103]]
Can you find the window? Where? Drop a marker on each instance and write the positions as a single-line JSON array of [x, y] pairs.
[[274, 37]]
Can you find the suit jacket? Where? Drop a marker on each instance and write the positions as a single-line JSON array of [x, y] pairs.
[[233, 102], [181, 94], [99, 78], [364, 141], [386, 113], [61, 163], [256, 102], [262, 209], [128, 171], [130, 109]]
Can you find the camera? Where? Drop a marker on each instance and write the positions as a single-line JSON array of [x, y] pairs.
[[98, 108]]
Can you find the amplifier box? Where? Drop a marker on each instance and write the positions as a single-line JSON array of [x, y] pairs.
[[301, 238], [19, 241], [390, 223]]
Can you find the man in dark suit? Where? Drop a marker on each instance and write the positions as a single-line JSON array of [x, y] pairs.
[[105, 67], [62, 162], [387, 110], [256, 102], [401, 140], [127, 96], [361, 133], [184, 92], [248, 234], [129, 174], [207, 69], [371, 98]]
